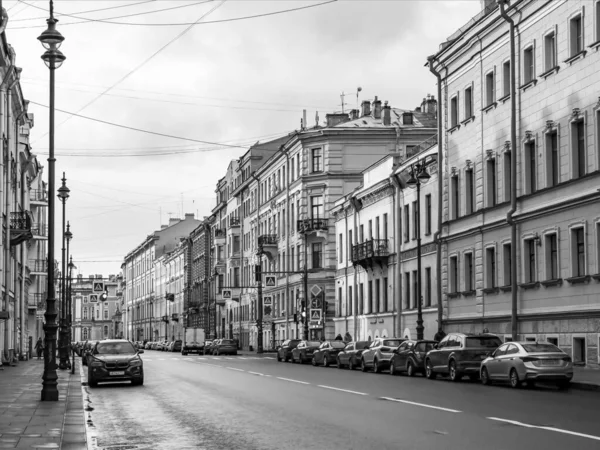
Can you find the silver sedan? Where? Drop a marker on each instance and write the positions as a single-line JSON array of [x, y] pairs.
[[518, 362]]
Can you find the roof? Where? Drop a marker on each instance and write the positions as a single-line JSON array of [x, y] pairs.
[[421, 120]]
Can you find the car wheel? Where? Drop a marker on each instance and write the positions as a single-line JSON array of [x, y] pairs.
[[376, 368], [314, 361], [91, 381], [363, 366], [338, 363], [429, 373], [410, 369], [454, 373], [325, 361], [218, 353], [392, 368], [563, 385], [514, 379], [184, 353], [286, 358], [485, 377]]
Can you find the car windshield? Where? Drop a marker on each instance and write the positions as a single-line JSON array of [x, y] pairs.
[[424, 346], [338, 344], [541, 348], [487, 342], [361, 345], [313, 343], [114, 348], [227, 341], [392, 342]]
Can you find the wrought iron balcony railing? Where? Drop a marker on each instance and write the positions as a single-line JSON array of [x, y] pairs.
[[38, 266], [234, 222], [370, 250], [219, 233], [267, 239], [308, 225], [20, 220]]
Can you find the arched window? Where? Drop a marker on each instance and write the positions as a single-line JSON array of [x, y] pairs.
[[105, 330]]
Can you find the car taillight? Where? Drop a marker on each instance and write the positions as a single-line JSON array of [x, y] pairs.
[[528, 359]]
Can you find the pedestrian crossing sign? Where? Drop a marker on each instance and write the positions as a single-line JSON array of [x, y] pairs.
[[93, 298], [270, 281], [98, 286], [315, 314], [227, 294]]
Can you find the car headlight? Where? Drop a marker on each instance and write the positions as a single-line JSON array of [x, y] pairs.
[[137, 362], [96, 363]]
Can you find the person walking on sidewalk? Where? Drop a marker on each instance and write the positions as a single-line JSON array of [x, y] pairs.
[[39, 346]]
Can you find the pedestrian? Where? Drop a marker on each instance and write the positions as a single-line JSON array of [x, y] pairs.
[[339, 337], [39, 346], [439, 335], [347, 337]]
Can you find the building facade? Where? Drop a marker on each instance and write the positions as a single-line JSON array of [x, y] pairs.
[[521, 166], [197, 267]]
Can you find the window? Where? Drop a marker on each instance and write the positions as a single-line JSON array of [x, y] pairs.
[[470, 192], [361, 230], [361, 298], [316, 255], [370, 229], [578, 251], [507, 176], [97, 314], [349, 250], [385, 226], [549, 51], [491, 182], [292, 170], [341, 248], [377, 304], [316, 207], [578, 129], [370, 297], [490, 266], [427, 215], [469, 274], [579, 350], [407, 290], [85, 314], [453, 112], [105, 314], [455, 197], [350, 300], [298, 256], [415, 289], [453, 274], [298, 165], [339, 308], [506, 78], [385, 294], [292, 260], [507, 259], [468, 103], [551, 246], [552, 159], [529, 254], [377, 227], [528, 65], [490, 89], [597, 6], [406, 223], [415, 217], [530, 168], [427, 287], [317, 160], [576, 35]]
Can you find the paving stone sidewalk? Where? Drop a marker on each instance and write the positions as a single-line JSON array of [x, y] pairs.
[[27, 422]]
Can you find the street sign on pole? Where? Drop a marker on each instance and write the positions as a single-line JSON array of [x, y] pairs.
[[93, 298], [315, 314], [270, 281], [98, 286], [226, 294]]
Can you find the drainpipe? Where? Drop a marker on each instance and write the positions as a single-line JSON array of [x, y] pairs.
[[513, 173], [355, 299], [259, 305], [395, 319], [397, 245], [348, 246], [20, 321], [438, 233], [288, 300]]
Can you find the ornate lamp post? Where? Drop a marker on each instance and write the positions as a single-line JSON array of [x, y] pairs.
[[69, 303], [418, 175], [63, 195], [51, 40]]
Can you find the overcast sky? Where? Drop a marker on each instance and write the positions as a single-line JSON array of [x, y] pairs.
[[232, 82]]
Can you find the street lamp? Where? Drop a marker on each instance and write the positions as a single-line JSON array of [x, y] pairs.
[[422, 176], [63, 194], [51, 39], [70, 302]]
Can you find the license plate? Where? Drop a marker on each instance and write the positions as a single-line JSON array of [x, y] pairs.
[[120, 372], [550, 362]]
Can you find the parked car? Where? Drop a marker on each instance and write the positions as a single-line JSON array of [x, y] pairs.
[[518, 362], [154, 345], [379, 354], [350, 355], [208, 346], [410, 357], [225, 347], [327, 353], [115, 360], [460, 354], [148, 345], [284, 351], [176, 346], [304, 351], [192, 347]]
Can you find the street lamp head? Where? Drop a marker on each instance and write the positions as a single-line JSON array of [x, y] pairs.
[[53, 58], [412, 181], [63, 191], [51, 39], [423, 175]]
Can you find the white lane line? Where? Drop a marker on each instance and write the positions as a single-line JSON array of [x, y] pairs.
[[293, 381], [230, 358], [241, 357], [342, 390], [421, 404], [233, 368], [200, 357], [175, 358], [257, 373], [269, 357], [161, 359], [558, 430], [209, 364]]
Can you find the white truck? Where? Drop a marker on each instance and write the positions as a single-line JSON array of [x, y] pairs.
[[193, 341]]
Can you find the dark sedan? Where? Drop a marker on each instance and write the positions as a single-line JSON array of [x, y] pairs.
[[284, 351], [304, 351], [410, 357], [327, 353], [350, 355], [225, 347], [115, 360]]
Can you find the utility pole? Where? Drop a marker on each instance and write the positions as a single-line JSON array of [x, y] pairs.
[[259, 315]]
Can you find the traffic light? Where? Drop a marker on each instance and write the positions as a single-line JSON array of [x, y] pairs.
[[104, 296], [295, 318], [257, 273]]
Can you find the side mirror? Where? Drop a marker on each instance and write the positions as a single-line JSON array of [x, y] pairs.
[[435, 346], [140, 351]]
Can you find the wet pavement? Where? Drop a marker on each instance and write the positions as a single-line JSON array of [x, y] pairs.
[[245, 402]]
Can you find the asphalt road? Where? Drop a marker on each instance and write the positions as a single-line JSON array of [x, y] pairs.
[[243, 402]]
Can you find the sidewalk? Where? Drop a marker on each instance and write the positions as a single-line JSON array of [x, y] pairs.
[[27, 422], [586, 378]]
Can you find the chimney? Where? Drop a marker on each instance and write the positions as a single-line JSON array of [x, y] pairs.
[[418, 109], [487, 5], [365, 108], [429, 105], [336, 118], [173, 221], [387, 111], [189, 216], [303, 119], [354, 114], [376, 108]]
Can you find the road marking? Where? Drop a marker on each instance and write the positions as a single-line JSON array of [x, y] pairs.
[[233, 368], [293, 381], [558, 430], [200, 357], [241, 357], [230, 358], [175, 358], [209, 364], [257, 373], [269, 357], [161, 359], [421, 404], [342, 390]]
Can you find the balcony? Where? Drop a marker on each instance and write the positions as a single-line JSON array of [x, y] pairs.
[[165, 319], [220, 236], [38, 197], [38, 301], [374, 251], [234, 222], [39, 231], [38, 267], [310, 225], [175, 317], [267, 245], [20, 227]]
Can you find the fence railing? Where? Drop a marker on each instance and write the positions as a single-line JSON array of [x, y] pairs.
[[370, 249]]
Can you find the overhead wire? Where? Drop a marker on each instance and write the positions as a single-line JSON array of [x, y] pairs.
[[80, 12]]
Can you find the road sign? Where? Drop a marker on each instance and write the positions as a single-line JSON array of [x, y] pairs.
[[93, 298], [315, 314], [226, 294], [270, 281], [98, 286], [267, 306], [267, 300]]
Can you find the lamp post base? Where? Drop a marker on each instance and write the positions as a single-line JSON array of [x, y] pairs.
[[420, 329], [63, 363]]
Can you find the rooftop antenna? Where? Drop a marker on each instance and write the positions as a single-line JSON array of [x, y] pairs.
[[342, 96], [358, 89]]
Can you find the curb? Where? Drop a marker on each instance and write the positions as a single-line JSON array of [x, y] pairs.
[[585, 386]]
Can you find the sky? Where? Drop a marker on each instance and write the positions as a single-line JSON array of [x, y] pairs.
[[162, 68]]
